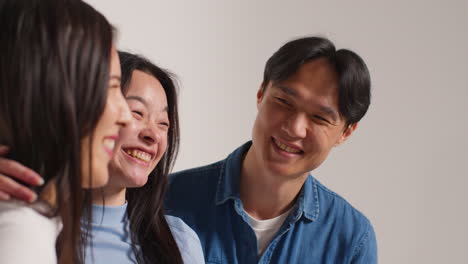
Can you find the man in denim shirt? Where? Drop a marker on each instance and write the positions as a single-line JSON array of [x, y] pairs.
[[260, 204]]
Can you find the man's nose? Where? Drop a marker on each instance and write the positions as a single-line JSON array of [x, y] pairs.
[[295, 126]]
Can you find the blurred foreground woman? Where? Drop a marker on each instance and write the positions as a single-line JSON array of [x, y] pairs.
[[61, 108]]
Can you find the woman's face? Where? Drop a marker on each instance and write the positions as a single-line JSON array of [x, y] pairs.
[[143, 142], [116, 115]]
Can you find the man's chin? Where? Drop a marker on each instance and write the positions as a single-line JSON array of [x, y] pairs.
[[286, 171]]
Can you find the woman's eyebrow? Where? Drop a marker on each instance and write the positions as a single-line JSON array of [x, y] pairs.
[[143, 101], [137, 98]]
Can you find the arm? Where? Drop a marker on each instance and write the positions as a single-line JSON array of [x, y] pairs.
[[366, 251], [10, 170]]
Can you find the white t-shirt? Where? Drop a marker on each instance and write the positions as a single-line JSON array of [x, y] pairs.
[[27, 236], [265, 230]]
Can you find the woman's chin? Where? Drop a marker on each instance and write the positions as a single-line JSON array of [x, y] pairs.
[[135, 182]]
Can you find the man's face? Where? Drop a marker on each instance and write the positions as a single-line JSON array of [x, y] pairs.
[[298, 122]]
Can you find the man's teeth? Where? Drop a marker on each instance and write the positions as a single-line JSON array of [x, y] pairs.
[[109, 143], [286, 148], [139, 155]]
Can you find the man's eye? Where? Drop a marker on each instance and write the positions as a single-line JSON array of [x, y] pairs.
[[283, 101], [321, 118]]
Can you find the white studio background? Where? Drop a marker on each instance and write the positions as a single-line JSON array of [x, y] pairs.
[[403, 167]]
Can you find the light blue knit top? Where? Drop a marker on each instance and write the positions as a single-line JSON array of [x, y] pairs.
[[111, 240]]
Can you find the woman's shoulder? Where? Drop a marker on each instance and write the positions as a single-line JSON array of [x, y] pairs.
[[179, 226], [23, 228], [186, 239], [18, 213]]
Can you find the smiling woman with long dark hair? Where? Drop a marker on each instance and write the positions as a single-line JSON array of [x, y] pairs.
[[146, 204], [61, 108], [129, 224]]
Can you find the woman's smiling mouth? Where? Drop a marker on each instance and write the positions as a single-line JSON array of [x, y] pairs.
[[139, 155]]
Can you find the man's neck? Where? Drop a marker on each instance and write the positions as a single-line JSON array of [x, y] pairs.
[[265, 196], [109, 195]]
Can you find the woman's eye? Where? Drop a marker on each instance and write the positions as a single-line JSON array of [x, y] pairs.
[[166, 124], [137, 113], [114, 85]]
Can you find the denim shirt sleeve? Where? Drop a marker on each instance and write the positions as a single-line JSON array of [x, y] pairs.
[[366, 250]]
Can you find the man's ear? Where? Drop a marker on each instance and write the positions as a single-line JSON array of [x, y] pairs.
[[346, 133], [260, 93]]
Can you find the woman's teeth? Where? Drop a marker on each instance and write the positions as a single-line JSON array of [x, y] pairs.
[[286, 148], [109, 143], [139, 155]]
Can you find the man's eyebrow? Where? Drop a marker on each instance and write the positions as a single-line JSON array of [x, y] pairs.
[[137, 98], [325, 109], [329, 111], [287, 90]]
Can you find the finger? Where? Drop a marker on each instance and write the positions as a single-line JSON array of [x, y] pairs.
[[4, 149], [14, 189], [15, 170], [4, 196]]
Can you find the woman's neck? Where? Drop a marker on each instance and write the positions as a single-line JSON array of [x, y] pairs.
[[49, 193], [109, 195]]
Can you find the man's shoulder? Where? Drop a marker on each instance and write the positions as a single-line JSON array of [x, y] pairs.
[[191, 187], [348, 223], [199, 178], [203, 171], [332, 203]]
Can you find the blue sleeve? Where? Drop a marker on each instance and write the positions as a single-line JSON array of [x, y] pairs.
[[187, 240], [366, 250]]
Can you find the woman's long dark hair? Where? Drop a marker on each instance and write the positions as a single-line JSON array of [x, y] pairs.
[[54, 71], [149, 228]]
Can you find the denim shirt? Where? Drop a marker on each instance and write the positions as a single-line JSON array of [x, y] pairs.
[[321, 228]]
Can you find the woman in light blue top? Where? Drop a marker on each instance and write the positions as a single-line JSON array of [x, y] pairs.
[[128, 222]]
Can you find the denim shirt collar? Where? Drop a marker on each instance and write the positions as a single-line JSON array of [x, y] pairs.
[[229, 181]]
